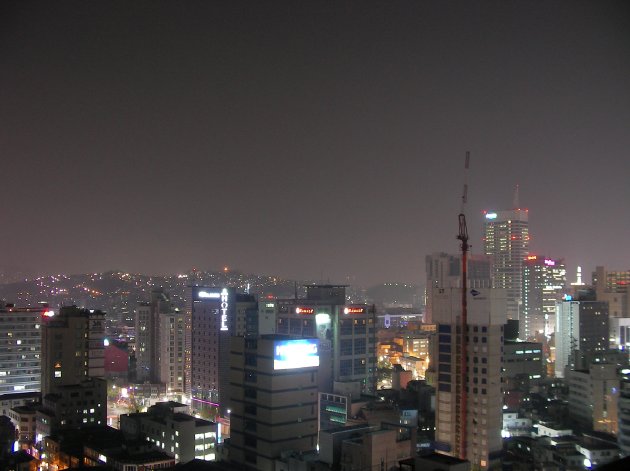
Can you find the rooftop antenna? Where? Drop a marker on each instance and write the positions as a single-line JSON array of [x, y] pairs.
[[515, 202]]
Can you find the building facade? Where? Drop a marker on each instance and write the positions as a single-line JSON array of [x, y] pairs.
[[543, 281], [506, 241], [593, 395], [173, 431], [273, 398], [481, 388], [445, 271], [73, 348], [160, 343], [20, 348], [215, 315], [580, 326], [347, 334]]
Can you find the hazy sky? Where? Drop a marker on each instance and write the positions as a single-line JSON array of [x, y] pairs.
[[309, 138]]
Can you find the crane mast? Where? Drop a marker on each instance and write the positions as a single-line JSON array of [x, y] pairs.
[[462, 236]]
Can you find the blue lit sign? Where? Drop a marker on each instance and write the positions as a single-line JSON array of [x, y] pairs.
[[491, 215]]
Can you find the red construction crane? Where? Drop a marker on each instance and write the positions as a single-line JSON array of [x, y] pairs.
[[463, 341]]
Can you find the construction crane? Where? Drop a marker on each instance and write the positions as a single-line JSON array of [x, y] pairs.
[[463, 341]]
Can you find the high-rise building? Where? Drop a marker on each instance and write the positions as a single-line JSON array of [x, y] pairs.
[[543, 281], [160, 339], [506, 241], [581, 325], [273, 398], [74, 392], [623, 407], [215, 315], [445, 271], [20, 348], [72, 347], [612, 287], [347, 334], [469, 406]]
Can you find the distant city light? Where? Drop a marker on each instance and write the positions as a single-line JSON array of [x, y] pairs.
[[205, 294], [491, 215]]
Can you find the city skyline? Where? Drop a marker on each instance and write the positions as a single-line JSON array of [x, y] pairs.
[[309, 141]]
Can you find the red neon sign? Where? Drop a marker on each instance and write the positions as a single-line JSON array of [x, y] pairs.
[[304, 310], [354, 310]]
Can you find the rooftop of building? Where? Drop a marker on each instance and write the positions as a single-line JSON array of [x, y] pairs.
[[26, 409], [521, 342], [442, 459], [141, 458], [34, 396]]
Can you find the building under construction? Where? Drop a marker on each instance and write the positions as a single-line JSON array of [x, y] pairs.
[[469, 403]]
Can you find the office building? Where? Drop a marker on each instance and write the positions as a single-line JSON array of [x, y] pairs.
[[73, 348], [506, 241], [160, 343], [543, 281], [273, 398], [347, 334], [593, 395], [481, 442], [74, 392], [215, 315], [20, 348], [522, 362], [445, 271], [612, 287], [581, 325]]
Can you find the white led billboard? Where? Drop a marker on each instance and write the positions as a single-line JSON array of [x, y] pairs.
[[298, 353]]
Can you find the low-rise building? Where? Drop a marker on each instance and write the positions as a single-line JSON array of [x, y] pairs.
[[178, 434]]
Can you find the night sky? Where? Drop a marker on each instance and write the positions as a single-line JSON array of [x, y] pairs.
[[319, 140]]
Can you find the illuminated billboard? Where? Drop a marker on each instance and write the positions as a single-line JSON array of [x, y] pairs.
[[304, 310], [298, 353], [354, 310]]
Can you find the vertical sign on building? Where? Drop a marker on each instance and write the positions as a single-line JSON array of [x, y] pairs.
[[224, 308]]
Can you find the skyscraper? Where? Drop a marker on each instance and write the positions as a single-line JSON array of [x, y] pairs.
[[20, 348], [478, 397], [215, 315], [72, 348], [582, 326], [74, 392], [160, 342], [506, 241], [543, 281]]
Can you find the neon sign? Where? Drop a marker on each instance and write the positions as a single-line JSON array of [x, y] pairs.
[[304, 310], [354, 310], [205, 294], [491, 216], [224, 308], [550, 263], [532, 257]]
